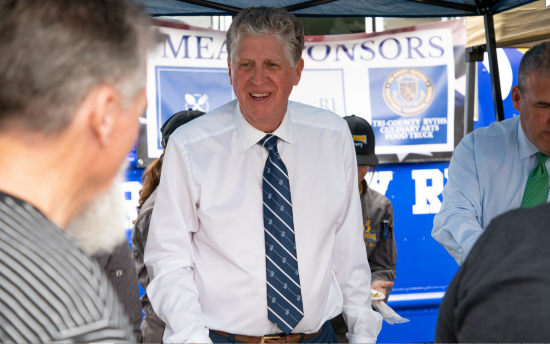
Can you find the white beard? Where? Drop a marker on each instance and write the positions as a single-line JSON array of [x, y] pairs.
[[102, 225]]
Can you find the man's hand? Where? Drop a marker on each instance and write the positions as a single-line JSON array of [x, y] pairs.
[[381, 286]]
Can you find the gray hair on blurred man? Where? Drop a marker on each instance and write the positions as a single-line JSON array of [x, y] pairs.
[[72, 86]]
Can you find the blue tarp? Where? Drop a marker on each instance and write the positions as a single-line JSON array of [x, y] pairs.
[[339, 8]]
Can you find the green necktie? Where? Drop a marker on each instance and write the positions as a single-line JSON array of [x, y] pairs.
[[536, 190]]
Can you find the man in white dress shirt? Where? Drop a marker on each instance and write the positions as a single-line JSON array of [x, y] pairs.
[[257, 229], [500, 167]]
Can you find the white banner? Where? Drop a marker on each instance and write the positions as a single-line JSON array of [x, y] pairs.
[[403, 83]]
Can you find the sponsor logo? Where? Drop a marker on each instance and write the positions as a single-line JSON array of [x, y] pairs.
[[408, 91], [197, 102]]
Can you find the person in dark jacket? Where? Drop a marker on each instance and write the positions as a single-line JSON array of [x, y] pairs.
[[152, 327], [120, 267], [377, 219], [500, 294]]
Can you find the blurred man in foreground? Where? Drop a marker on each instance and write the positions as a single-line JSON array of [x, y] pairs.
[[500, 167], [72, 78], [256, 232], [500, 294]]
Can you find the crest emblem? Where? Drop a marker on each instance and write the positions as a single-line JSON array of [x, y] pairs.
[[408, 91]]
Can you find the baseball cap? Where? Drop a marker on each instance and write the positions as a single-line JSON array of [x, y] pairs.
[[177, 121], [363, 137]]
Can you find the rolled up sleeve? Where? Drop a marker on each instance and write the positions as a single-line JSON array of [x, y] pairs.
[[457, 224]]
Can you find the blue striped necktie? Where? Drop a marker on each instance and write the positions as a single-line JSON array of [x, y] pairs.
[[284, 296]]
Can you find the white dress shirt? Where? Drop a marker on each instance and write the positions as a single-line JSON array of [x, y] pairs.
[[487, 177], [206, 252]]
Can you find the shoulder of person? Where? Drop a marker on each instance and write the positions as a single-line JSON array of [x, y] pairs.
[[497, 128], [484, 138], [147, 207], [213, 123], [378, 198], [503, 229], [316, 117]]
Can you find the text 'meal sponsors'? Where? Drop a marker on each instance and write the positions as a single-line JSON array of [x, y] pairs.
[[402, 83]]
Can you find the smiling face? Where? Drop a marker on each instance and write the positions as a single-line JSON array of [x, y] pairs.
[[263, 78], [533, 105]]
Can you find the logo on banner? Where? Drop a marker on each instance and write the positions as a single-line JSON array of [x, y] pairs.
[[408, 91], [197, 102]]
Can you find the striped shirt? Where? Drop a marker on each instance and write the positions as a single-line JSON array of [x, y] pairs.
[[50, 288]]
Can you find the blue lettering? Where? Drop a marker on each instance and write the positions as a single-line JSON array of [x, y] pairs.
[[411, 48], [346, 51], [200, 47], [367, 49], [436, 47], [381, 48], [222, 51], [174, 51], [311, 55]]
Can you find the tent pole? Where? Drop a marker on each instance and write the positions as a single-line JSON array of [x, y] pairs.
[[493, 64], [473, 55]]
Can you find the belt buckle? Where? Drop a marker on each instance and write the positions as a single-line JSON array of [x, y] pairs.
[[269, 337]]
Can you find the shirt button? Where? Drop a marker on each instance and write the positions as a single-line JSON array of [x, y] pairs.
[[118, 273]]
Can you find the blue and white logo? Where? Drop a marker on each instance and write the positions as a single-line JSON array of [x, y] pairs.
[[408, 91], [197, 102], [183, 88]]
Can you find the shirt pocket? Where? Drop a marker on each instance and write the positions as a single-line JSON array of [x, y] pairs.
[[118, 278], [386, 252]]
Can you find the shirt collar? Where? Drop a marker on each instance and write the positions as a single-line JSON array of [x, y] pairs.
[[526, 148], [250, 135]]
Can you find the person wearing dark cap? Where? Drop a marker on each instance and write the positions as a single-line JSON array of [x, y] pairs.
[[377, 218], [152, 327]]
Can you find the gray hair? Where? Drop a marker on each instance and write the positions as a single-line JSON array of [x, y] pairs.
[[54, 52], [536, 59], [258, 21]]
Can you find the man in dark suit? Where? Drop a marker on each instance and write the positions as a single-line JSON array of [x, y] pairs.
[[500, 294]]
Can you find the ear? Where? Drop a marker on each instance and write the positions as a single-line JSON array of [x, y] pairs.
[[298, 74], [105, 104], [516, 97], [229, 66]]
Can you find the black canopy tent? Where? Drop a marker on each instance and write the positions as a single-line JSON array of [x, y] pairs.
[[371, 8]]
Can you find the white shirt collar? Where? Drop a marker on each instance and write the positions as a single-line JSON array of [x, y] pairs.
[[250, 135], [526, 148]]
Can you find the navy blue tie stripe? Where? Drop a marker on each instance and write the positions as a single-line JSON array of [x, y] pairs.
[[284, 296]]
